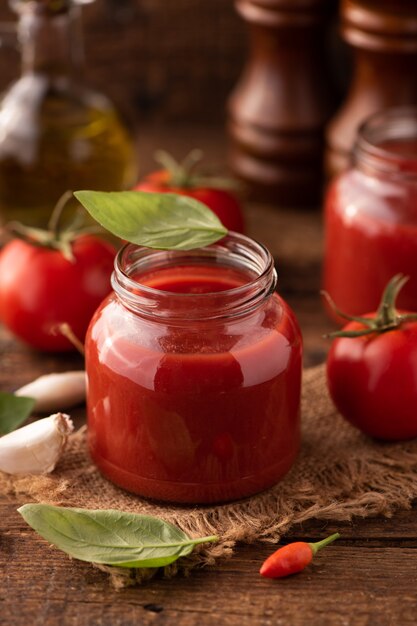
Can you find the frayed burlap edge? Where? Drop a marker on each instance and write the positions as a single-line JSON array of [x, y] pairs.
[[339, 474]]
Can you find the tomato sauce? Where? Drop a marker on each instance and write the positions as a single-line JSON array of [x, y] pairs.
[[202, 410], [371, 225]]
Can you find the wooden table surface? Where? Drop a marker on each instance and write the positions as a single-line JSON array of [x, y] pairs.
[[367, 578]]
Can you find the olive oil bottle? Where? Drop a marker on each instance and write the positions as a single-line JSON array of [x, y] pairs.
[[55, 133]]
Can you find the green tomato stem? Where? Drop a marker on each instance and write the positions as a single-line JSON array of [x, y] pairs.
[[54, 237], [387, 313], [54, 220], [386, 317], [191, 160], [180, 174]]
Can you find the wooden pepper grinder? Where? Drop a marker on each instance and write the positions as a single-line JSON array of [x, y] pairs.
[[383, 36], [278, 110]]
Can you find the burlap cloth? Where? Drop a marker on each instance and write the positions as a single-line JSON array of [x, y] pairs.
[[340, 473]]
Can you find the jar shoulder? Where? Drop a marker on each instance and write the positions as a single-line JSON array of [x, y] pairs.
[[116, 326], [257, 348], [355, 193]]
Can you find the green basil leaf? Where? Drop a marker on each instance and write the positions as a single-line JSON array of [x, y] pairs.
[[110, 537], [14, 410], [165, 221]]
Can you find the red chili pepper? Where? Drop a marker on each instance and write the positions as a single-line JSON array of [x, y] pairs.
[[293, 557]]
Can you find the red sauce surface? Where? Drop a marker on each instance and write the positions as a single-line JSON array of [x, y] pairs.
[[371, 234], [199, 413], [194, 279]]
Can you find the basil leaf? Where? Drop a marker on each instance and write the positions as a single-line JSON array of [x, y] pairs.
[[165, 221], [14, 410], [110, 537]]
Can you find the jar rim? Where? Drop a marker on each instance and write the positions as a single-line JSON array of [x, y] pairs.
[[397, 124], [237, 251]]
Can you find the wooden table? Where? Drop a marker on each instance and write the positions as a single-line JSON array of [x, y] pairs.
[[367, 578]]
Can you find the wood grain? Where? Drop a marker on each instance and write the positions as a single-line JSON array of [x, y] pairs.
[[367, 578]]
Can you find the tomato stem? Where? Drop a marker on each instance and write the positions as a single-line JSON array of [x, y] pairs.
[[66, 330], [318, 545], [54, 220], [387, 313], [180, 174], [54, 237], [351, 318], [386, 317], [191, 160]]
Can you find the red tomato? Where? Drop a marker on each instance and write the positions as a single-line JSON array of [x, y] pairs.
[[372, 380], [221, 202], [40, 288]]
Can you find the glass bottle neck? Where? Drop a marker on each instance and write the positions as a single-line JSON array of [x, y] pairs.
[[386, 144], [245, 267], [51, 43]]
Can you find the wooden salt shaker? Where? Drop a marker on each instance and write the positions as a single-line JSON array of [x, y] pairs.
[[383, 35], [278, 110]]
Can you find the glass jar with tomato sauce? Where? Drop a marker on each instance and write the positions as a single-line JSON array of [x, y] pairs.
[[194, 369], [371, 215]]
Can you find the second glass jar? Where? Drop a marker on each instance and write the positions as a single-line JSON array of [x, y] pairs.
[[371, 216]]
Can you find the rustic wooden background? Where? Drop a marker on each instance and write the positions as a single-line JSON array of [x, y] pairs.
[[173, 63], [166, 60], [163, 60]]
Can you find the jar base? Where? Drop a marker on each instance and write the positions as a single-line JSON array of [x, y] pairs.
[[194, 493]]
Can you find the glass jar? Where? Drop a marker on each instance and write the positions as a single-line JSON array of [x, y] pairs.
[[371, 215], [194, 369], [55, 132]]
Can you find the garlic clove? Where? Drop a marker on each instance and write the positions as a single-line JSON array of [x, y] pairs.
[[37, 447], [56, 391]]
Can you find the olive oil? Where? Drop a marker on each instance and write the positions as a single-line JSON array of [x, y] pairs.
[[56, 134]]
